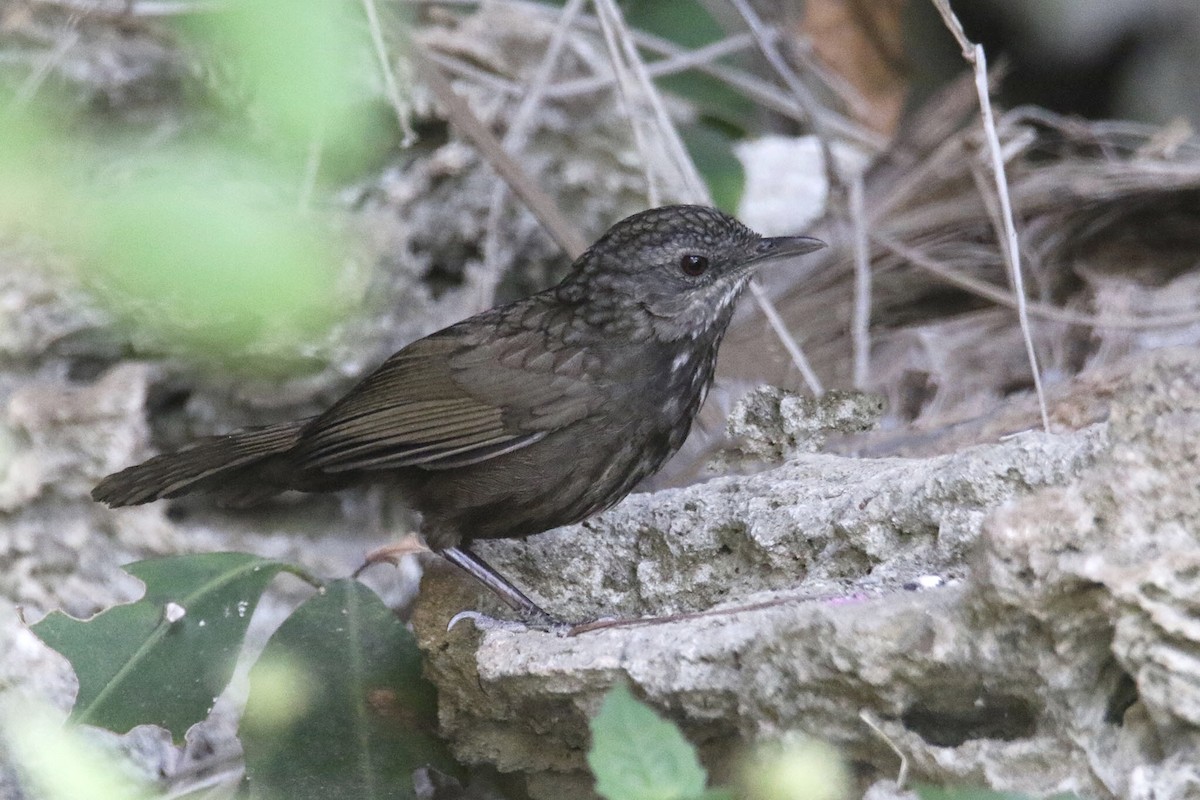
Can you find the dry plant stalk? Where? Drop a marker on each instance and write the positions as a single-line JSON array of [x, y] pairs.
[[1108, 228]]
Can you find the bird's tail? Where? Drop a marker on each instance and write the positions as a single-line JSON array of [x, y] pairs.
[[240, 468]]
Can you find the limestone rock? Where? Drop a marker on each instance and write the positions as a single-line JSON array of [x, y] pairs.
[[1059, 657]]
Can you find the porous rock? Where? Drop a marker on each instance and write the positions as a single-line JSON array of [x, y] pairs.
[[1060, 655]]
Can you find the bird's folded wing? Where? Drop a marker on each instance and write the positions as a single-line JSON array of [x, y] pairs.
[[438, 405]]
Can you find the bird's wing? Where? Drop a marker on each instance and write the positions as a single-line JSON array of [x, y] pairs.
[[441, 403]]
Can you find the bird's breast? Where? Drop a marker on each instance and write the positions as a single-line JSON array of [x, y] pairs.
[[664, 394]]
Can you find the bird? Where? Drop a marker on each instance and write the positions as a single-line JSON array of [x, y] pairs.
[[523, 418]]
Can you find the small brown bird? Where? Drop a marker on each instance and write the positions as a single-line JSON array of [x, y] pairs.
[[529, 416]]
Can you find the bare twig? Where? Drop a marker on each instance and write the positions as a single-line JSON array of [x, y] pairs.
[[523, 186], [974, 54], [514, 140], [462, 68], [872, 723], [803, 96], [312, 167], [29, 87], [662, 150], [677, 60], [786, 339], [861, 327], [1001, 297], [401, 109], [702, 59]]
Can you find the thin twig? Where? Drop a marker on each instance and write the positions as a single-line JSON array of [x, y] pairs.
[[1013, 250], [514, 140], [391, 87], [861, 326], [803, 96], [663, 155], [786, 339], [872, 723], [29, 87], [679, 60], [1005, 298], [312, 167], [461, 68], [564, 233], [766, 94], [125, 9], [974, 54], [756, 89]]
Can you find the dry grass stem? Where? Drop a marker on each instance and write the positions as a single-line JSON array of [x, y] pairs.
[[861, 330], [1009, 245], [568, 237], [514, 141]]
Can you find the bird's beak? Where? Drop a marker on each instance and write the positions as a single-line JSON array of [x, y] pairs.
[[778, 248]]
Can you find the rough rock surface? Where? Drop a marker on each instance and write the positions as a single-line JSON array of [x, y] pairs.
[[1062, 658]]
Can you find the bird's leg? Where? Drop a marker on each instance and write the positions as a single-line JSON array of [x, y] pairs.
[[477, 568]]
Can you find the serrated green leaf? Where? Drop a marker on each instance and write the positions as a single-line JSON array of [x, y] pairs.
[[637, 755], [337, 705], [164, 659]]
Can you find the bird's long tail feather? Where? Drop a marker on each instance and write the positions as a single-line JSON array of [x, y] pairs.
[[237, 468]]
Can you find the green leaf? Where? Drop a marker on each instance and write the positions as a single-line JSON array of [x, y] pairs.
[[712, 152], [60, 763], [164, 659], [303, 63], [637, 755], [189, 260], [689, 24], [337, 705]]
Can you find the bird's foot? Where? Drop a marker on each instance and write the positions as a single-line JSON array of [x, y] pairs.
[[537, 621]]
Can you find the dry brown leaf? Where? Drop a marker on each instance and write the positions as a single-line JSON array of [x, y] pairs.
[[861, 41]]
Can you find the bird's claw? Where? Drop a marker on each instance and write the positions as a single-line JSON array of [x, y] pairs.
[[536, 621]]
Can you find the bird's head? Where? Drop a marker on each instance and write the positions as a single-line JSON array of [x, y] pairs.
[[683, 267]]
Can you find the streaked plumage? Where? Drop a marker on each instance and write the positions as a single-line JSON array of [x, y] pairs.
[[523, 418]]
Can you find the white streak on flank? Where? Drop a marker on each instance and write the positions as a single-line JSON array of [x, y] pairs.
[[680, 361]]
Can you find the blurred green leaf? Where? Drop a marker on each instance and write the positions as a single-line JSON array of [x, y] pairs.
[[164, 659], [712, 152], [214, 265], [58, 762], [638, 755], [338, 706], [795, 766], [32, 163], [308, 67], [688, 24], [685, 22]]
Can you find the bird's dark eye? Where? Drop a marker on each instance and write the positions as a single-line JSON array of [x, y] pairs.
[[693, 265]]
